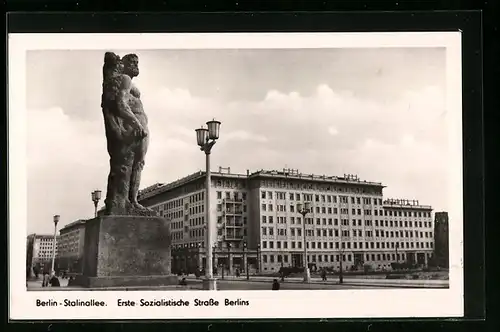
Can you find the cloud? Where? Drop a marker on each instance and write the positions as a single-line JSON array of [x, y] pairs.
[[333, 131], [245, 136]]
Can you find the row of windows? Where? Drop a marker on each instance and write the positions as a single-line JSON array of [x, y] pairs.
[[177, 235], [298, 185], [347, 245], [197, 209], [197, 197], [237, 234], [355, 233], [232, 210], [236, 221], [196, 233], [320, 198], [345, 222], [176, 225], [171, 205], [335, 258], [236, 195], [197, 221]]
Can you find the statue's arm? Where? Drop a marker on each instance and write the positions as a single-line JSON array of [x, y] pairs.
[[124, 110]]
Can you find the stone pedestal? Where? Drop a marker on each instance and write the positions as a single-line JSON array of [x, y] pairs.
[[127, 251]]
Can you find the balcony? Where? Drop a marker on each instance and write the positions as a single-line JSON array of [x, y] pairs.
[[233, 224], [233, 200], [233, 236], [232, 212]]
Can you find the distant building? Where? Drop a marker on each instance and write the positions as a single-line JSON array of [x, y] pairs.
[[349, 220], [71, 247], [40, 250], [441, 239]]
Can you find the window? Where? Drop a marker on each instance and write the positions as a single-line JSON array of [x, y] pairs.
[[263, 195], [219, 195]]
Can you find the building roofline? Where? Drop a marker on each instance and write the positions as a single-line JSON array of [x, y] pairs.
[[74, 223], [36, 235], [160, 188], [315, 178]]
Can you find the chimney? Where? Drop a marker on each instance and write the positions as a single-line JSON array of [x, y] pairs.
[[220, 169], [248, 172], [229, 170]]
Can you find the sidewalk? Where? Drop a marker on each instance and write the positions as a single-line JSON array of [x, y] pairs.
[[406, 283], [36, 286]]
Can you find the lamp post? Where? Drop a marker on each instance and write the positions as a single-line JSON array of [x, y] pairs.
[[96, 197], [342, 253], [246, 259], [228, 258], [258, 257], [206, 139], [56, 220], [213, 256], [200, 259], [304, 210], [397, 254]]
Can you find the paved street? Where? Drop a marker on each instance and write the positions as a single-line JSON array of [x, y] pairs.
[[194, 284], [264, 283], [259, 285]]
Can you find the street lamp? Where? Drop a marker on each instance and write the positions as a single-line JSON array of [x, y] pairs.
[[258, 257], [96, 197], [304, 210], [341, 260], [56, 220], [228, 258], [245, 258], [206, 139]]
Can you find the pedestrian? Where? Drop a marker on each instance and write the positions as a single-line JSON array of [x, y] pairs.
[[45, 279], [54, 281], [237, 273], [276, 285], [323, 274], [183, 282]]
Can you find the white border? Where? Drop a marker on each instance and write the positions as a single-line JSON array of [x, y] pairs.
[[263, 304]]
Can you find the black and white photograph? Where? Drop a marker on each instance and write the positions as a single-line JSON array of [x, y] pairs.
[[163, 171]]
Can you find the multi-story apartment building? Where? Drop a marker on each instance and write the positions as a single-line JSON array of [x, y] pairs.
[[40, 251], [183, 203], [257, 221], [71, 246]]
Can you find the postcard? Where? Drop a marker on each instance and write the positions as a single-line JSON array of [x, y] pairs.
[[235, 175]]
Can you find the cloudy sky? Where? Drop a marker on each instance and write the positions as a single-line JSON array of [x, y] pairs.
[[377, 113]]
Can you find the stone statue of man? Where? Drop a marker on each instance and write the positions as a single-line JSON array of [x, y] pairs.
[[126, 127]]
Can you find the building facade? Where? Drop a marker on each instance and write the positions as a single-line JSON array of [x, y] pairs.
[[40, 251], [71, 247], [258, 224], [441, 239]]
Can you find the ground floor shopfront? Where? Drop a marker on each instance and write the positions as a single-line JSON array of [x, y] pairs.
[[190, 260], [348, 260]]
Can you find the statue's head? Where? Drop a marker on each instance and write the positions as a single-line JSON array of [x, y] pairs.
[[111, 70], [131, 65]]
